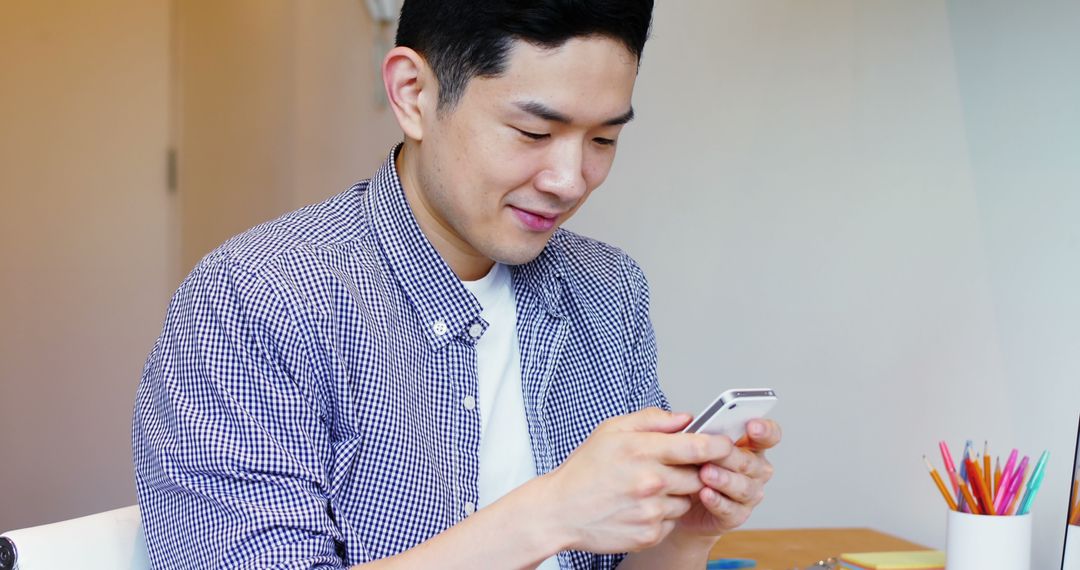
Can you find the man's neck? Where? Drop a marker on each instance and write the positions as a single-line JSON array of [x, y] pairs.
[[464, 261]]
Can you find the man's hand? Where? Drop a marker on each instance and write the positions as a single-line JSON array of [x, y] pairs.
[[734, 485], [635, 485], [627, 485]]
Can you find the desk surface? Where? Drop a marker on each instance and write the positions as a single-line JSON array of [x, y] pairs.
[[785, 549]]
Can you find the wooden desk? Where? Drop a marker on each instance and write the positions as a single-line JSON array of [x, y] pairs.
[[785, 549]]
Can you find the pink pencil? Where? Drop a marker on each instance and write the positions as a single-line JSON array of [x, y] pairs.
[[1014, 485], [1006, 474], [950, 467]]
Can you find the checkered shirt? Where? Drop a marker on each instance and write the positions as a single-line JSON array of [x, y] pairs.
[[303, 405]]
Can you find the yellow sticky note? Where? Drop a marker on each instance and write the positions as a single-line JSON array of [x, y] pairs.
[[913, 560]]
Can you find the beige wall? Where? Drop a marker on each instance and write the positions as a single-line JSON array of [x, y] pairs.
[[85, 237], [272, 108], [235, 130], [343, 132], [277, 110]]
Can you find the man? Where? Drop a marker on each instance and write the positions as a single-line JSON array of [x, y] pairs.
[[425, 371]]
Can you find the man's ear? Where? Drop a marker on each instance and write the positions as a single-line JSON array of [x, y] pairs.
[[411, 89]]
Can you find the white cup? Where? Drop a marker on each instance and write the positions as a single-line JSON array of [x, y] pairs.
[[984, 542]]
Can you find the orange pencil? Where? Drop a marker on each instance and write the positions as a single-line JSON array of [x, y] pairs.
[[997, 478], [978, 481], [941, 485], [1074, 514], [971, 503], [988, 472]]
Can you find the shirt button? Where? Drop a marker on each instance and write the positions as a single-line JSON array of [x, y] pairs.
[[476, 330], [469, 402], [470, 508], [439, 328]]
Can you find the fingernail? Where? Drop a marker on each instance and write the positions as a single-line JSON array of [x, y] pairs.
[[715, 475], [712, 472], [756, 429]]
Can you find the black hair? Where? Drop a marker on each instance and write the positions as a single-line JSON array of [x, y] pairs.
[[462, 39]]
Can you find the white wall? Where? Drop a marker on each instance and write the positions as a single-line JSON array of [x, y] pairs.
[[1017, 69], [869, 205]]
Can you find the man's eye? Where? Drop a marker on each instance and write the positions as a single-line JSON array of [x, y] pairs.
[[604, 142], [533, 136]]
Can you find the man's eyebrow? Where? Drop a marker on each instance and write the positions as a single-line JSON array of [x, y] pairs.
[[621, 119], [546, 113], [542, 111]]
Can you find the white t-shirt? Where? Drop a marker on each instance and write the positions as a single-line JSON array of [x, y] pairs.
[[506, 460]]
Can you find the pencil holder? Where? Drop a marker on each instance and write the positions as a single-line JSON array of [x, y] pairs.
[[980, 542]]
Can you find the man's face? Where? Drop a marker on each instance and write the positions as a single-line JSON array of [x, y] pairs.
[[498, 173]]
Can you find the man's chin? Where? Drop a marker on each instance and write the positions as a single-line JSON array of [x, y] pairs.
[[519, 254]]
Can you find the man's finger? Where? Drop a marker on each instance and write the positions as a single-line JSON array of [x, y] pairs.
[[735, 486], [692, 448], [675, 507], [746, 462], [761, 434], [728, 513], [651, 420], [682, 480]]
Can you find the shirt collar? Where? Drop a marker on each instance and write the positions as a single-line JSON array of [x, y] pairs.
[[428, 282], [544, 276]]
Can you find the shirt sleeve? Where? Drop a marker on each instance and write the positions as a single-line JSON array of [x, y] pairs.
[[229, 446], [645, 388]]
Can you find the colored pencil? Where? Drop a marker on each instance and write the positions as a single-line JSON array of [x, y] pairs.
[[978, 481], [1075, 511], [973, 505], [984, 484], [958, 497], [950, 467], [1014, 499], [1007, 473], [1009, 486], [997, 478], [941, 485], [963, 474], [1029, 496], [1033, 485], [1036, 473]]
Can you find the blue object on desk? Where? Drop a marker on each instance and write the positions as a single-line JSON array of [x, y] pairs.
[[727, 563]]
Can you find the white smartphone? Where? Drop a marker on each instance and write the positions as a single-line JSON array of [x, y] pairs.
[[729, 412]]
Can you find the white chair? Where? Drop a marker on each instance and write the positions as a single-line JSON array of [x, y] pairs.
[[110, 540]]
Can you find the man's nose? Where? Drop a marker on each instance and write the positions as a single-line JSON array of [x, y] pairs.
[[563, 175]]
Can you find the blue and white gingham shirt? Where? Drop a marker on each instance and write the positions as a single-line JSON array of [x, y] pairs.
[[303, 407]]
